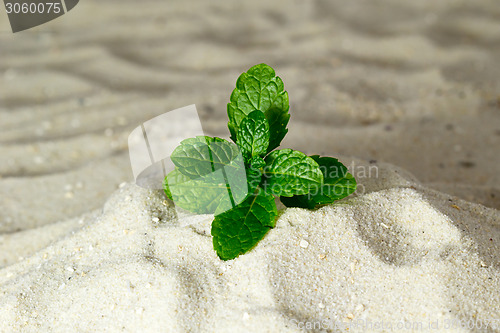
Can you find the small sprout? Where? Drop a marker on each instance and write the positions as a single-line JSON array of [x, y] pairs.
[[237, 181]]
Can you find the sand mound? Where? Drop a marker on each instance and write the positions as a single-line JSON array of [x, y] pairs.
[[397, 254]]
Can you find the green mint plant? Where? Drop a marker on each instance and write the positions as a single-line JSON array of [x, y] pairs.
[[238, 181]]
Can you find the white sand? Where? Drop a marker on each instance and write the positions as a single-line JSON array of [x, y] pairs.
[[403, 254]]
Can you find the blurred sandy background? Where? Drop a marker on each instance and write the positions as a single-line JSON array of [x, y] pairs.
[[416, 84]]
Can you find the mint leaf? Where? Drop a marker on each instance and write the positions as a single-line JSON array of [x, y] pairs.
[[338, 183], [277, 124], [253, 135], [213, 193], [257, 162], [194, 195], [209, 177], [238, 230], [236, 183], [254, 173], [260, 89], [289, 172], [166, 189], [202, 155]]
